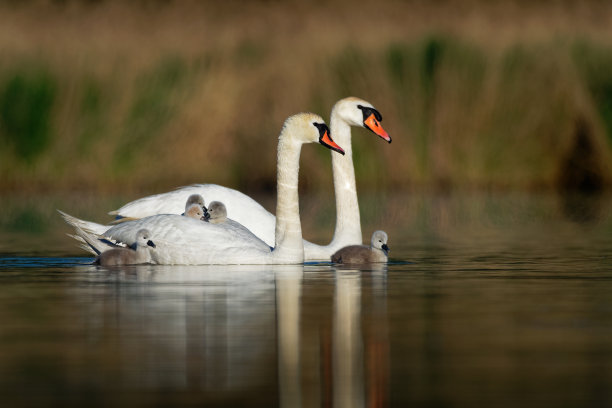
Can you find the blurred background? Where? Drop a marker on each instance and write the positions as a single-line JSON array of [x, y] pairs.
[[104, 101], [147, 95]]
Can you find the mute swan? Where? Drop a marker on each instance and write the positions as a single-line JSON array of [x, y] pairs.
[[346, 112], [183, 240], [363, 254]]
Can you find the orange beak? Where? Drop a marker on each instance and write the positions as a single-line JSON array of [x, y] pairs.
[[327, 141], [374, 125]]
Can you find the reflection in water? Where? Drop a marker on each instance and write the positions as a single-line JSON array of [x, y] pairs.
[[217, 329], [503, 302], [288, 297], [582, 207], [341, 369], [191, 328], [347, 350]]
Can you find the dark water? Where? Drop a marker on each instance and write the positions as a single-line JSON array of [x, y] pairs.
[[490, 300]]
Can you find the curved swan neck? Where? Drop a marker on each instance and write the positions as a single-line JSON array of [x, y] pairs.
[[348, 221], [288, 234]]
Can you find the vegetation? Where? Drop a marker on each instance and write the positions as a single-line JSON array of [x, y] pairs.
[[153, 95]]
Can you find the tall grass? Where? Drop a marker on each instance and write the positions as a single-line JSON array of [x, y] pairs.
[[190, 100]]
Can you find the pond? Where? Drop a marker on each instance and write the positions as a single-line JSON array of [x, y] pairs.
[[489, 300]]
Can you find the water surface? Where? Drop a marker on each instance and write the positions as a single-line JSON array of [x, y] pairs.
[[490, 300]]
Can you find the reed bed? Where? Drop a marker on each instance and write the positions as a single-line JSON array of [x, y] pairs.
[[103, 96]]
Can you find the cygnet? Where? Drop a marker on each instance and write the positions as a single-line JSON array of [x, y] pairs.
[[363, 254], [138, 253]]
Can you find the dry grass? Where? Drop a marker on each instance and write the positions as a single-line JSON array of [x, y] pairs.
[[152, 95]]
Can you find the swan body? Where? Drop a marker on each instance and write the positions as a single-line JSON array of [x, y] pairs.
[[243, 209], [184, 240], [376, 252]]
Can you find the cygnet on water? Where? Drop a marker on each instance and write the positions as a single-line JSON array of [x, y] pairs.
[[363, 254], [218, 212], [138, 253]]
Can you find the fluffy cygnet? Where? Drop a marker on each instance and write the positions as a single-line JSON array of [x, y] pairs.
[[217, 212], [138, 253], [363, 254], [195, 208], [195, 211]]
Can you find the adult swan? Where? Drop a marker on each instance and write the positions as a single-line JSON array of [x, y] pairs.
[[346, 112], [184, 240]]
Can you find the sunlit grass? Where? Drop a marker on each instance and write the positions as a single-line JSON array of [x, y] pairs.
[[205, 102]]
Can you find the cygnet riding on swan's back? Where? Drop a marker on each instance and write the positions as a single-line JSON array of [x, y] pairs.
[[183, 240], [195, 211], [218, 212], [346, 112], [362, 254], [195, 208]]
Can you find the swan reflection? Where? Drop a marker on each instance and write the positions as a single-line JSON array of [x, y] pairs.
[[243, 330]]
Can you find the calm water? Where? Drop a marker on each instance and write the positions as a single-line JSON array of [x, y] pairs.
[[490, 300]]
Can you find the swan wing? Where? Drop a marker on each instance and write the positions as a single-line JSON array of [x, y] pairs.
[[187, 241], [240, 207]]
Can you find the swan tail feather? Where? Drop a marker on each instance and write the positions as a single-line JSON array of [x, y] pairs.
[[87, 226]]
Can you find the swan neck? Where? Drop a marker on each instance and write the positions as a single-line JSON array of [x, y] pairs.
[[288, 234], [348, 221]]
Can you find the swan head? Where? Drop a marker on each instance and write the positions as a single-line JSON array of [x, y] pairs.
[[218, 212], [309, 128], [379, 241], [143, 238], [357, 112]]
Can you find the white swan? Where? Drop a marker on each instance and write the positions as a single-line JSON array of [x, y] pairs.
[[184, 240], [346, 112]]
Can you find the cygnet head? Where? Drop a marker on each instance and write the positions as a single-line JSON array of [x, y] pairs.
[[195, 211], [308, 128], [143, 239], [194, 199], [218, 212], [357, 112], [379, 241]]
